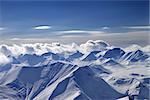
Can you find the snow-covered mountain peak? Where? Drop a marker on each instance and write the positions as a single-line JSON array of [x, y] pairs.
[[114, 53]]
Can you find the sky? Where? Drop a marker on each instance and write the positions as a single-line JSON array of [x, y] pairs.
[[120, 23]]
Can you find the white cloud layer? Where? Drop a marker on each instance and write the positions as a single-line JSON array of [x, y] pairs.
[[40, 48], [93, 45], [42, 27]]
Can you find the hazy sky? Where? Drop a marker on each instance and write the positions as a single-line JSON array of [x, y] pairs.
[[118, 22]]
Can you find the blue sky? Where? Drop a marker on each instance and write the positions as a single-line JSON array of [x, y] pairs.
[[74, 21]]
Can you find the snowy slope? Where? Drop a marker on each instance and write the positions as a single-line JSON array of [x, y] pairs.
[[90, 56]]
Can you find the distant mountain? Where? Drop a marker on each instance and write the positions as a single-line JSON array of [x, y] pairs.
[[74, 56], [135, 56], [31, 59], [91, 56], [114, 53], [53, 56]]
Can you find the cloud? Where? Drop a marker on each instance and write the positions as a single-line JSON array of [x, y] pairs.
[[40, 48], [135, 47], [4, 52], [79, 31], [65, 49], [4, 59], [15, 39], [105, 28], [90, 45], [55, 47], [138, 27], [42, 27], [118, 39], [1, 28], [88, 32]]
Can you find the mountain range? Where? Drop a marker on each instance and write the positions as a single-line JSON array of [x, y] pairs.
[[102, 73]]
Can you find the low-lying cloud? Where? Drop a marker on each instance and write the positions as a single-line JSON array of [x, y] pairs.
[[39, 48], [4, 59]]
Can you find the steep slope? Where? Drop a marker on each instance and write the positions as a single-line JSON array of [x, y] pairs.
[[84, 83], [58, 80], [84, 77], [91, 56], [34, 79]]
